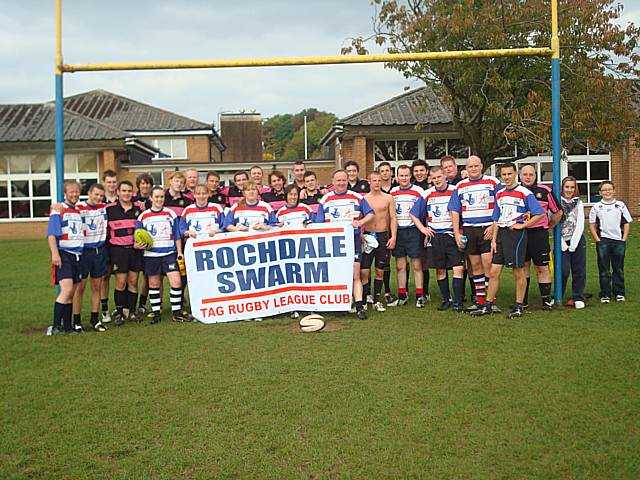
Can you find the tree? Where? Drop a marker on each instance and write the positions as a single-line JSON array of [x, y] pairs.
[[501, 101], [284, 134]]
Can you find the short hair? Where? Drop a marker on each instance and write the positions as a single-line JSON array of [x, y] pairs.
[[156, 188], [384, 164], [606, 182], [352, 163], [93, 186], [240, 172], [277, 173], [191, 170], [177, 174], [127, 183], [256, 167], [374, 173], [143, 177], [213, 174], [339, 170], [435, 169], [109, 173], [69, 183], [299, 162], [419, 163], [528, 165], [403, 167], [200, 186], [447, 158], [310, 173], [509, 165]]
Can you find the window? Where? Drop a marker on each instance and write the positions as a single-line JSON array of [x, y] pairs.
[[25, 186], [169, 147], [83, 168]]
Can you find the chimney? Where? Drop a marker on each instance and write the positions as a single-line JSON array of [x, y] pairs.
[[242, 134]]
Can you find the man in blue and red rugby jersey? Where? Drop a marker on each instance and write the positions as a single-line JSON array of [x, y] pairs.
[[443, 253], [471, 208], [344, 206], [65, 236], [538, 247], [94, 262], [125, 254], [515, 210]]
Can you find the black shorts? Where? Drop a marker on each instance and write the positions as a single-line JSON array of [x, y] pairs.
[[125, 259], [94, 262], [357, 243], [409, 243], [511, 248], [380, 253], [70, 267], [538, 247], [161, 265], [444, 252], [476, 244]]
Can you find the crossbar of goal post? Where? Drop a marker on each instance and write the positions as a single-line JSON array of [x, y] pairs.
[[553, 51]]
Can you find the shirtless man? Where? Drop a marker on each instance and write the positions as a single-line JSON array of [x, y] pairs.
[[384, 228]]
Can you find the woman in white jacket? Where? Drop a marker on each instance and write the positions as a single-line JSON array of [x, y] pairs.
[[574, 245]]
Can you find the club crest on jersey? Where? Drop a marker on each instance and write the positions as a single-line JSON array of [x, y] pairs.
[[437, 211], [73, 227], [197, 227], [92, 224], [538, 195], [335, 213], [152, 230], [470, 199]]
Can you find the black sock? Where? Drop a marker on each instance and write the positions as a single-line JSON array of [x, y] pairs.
[[77, 319], [58, 314], [386, 278], [458, 290], [366, 290], [526, 292], [444, 289], [66, 319], [425, 282], [545, 289], [132, 301], [94, 318], [120, 299], [359, 305], [104, 304], [143, 301], [377, 289]]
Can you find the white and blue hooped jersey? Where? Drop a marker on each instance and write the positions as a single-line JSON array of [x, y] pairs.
[[515, 205], [94, 218], [66, 226], [474, 200], [405, 199], [343, 208], [295, 216], [250, 215], [164, 228], [201, 220], [433, 206]]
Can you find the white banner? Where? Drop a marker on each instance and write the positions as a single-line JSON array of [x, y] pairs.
[[243, 275]]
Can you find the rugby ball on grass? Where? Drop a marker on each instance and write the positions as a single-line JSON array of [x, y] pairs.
[[311, 323], [142, 236]]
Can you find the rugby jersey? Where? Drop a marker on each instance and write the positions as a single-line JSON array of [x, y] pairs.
[[361, 186], [610, 218], [177, 204], [66, 226], [218, 197], [294, 216], [250, 215], [546, 199], [343, 208], [94, 219], [202, 219], [233, 194], [474, 200], [121, 224], [515, 205], [433, 206], [164, 228], [276, 200], [405, 199], [313, 200]]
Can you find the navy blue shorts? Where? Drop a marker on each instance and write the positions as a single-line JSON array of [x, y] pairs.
[[94, 262], [409, 243], [161, 265], [70, 267], [357, 241]]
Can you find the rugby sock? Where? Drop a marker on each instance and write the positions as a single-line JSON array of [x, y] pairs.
[[419, 292], [155, 300], [472, 285], [77, 318], [526, 292], [132, 301], [120, 299], [94, 318], [58, 314], [458, 290], [402, 293], [143, 301], [377, 289], [66, 318], [366, 290], [481, 288], [387, 279], [104, 304], [425, 282], [175, 295], [545, 291], [359, 306], [444, 289]]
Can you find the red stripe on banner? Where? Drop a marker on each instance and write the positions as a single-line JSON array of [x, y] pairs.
[[266, 235], [274, 291]]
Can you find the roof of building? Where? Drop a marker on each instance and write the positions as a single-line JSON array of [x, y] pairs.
[[416, 107], [127, 114]]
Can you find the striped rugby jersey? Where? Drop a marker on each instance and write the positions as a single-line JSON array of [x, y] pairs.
[[404, 199], [66, 226], [515, 205], [474, 200], [250, 215], [545, 197], [163, 226], [294, 216], [433, 206], [122, 224], [94, 218], [342, 208], [202, 219]]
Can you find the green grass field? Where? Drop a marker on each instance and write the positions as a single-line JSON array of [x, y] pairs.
[[407, 394]]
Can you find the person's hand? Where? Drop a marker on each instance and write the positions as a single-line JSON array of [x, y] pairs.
[[212, 232], [56, 261], [191, 234], [140, 246], [355, 223], [488, 232], [517, 226], [494, 246], [430, 233], [242, 228], [458, 237], [303, 194], [391, 243]]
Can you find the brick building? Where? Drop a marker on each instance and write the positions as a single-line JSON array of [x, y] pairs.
[[417, 124]]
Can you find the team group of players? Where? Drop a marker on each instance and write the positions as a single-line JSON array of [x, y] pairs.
[[439, 218]]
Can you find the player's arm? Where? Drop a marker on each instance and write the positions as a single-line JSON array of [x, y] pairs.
[[364, 220], [529, 223], [55, 254], [457, 233], [393, 224], [54, 231], [494, 236]]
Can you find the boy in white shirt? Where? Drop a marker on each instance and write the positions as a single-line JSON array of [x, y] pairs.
[[609, 222]]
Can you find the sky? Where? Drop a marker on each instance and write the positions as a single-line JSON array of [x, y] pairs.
[[161, 30]]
